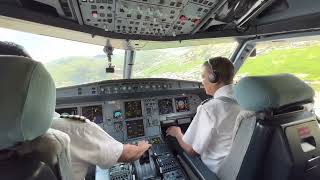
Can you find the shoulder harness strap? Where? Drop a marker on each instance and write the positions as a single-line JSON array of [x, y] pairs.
[[205, 101], [227, 99], [74, 117]]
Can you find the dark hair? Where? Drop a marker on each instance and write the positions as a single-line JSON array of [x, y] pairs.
[[223, 67], [10, 48]]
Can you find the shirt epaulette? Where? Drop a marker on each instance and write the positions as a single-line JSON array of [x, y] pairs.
[[74, 117], [205, 101]]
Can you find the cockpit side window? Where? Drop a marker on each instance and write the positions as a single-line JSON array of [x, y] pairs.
[[68, 62], [300, 58]]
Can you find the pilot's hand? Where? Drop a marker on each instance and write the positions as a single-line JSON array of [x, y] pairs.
[[174, 131], [144, 145]]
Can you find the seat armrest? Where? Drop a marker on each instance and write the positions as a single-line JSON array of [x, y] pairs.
[[199, 168]]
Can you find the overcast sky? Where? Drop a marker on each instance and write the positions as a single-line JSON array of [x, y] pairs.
[[46, 49]]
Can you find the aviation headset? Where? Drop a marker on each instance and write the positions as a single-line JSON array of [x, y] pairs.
[[214, 75]]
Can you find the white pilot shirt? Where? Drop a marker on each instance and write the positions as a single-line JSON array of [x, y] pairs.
[[89, 145], [210, 132]]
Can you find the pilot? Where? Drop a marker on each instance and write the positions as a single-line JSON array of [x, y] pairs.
[[9, 48], [90, 144], [210, 133]]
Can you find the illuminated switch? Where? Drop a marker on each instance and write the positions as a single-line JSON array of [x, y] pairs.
[[183, 18], [94, 14], [196, 21]]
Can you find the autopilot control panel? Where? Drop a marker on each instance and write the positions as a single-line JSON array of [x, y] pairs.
[[131, 116]]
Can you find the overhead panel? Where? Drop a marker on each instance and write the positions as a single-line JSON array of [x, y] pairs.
[[98, 13], [188, 19], [146, 17]]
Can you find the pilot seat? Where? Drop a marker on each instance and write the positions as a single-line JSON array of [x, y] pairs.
[[277, 136], [28, 148]]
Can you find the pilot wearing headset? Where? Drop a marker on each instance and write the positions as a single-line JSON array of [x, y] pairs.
[[210, 132], [89, 145]]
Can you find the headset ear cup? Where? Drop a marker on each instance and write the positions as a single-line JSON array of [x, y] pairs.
[[213, 77]]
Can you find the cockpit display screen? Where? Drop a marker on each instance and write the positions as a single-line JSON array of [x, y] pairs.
[[135, 128], [165, 106], [93, 113], [117, 114], [69, 111], [182, 104], [133, 109]]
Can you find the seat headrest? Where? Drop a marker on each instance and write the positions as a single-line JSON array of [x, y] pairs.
[[261, 93], [27, 100]]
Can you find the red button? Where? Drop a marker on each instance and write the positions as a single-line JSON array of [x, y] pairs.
[[196, 21], [304, 132], [183, 18], [94, 14]]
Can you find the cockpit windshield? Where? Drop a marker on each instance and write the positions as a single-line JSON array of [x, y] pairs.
[[73, 63], [178, 63]]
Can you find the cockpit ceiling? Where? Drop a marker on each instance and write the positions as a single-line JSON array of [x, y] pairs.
[[162, 20], [153, 17]]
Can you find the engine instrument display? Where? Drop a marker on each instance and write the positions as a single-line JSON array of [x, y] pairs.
[[69, 111], [117, 114], [93, 113], [135, 128], [133, 109], [182, 104], [165, 106]]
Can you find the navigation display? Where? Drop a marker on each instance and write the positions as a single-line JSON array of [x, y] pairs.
[[182, 104], [135, 128], [165, 106], [69, 111], [93, 113], [133, 109]]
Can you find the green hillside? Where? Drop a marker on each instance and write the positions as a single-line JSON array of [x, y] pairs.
[[181, 63], [78, 70], [303, 62]]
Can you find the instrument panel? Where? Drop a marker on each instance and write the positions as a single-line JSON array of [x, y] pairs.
[[127, 120]]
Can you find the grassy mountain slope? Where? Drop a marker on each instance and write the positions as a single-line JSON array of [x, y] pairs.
[[303, 62]]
